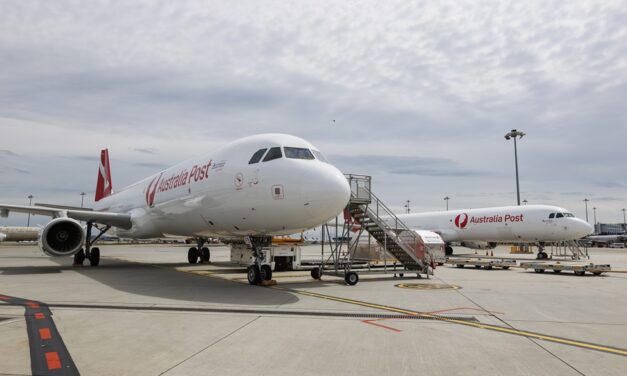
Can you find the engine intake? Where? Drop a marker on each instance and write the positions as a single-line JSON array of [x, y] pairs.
[[62, 237]]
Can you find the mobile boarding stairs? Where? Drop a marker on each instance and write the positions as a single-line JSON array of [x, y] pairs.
[[366, 212]]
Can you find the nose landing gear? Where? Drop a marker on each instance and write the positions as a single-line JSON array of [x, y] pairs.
[[200, 253], [541, 254], [259, 272]]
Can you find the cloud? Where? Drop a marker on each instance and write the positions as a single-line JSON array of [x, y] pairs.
[[609, 184], [421, 92], [7, 153], [151, 151], [157, 166]]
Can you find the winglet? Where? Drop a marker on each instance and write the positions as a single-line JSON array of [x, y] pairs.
[[103, 186]]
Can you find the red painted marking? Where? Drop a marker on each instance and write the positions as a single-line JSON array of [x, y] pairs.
[[39, 316], [52, 358], [372, 322], [2, 297], [44, 333], [465, 308], [32, 304]]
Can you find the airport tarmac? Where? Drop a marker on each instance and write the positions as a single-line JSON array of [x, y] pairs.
[[145, 311]]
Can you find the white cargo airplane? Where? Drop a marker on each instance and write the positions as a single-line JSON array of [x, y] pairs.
[[18, 234], [482, 228], [250, 189]]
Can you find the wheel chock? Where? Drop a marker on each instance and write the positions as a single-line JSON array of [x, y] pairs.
[[271, 282]]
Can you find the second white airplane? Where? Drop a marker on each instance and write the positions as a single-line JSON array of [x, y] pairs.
[[482, 228]]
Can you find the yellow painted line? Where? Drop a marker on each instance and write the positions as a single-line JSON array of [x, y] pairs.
[[501, 329], [522, 333]]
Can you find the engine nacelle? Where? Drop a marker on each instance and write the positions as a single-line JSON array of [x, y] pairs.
[[2, 237], [62, 237], [479, 245]]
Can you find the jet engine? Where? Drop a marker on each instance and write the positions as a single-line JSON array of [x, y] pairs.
[[2, 237], [479, 245], [62, 237]]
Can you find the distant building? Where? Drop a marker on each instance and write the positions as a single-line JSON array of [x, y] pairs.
[[610, 228]]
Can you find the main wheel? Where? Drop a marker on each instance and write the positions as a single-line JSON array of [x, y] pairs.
[[351, 278], [448, 250], [580, 272], [542, 256], [94, 257], [538, 270], [79, 257], [478, 266], [597, 273], [205, 254], [316, 273], [266, 272], [192, 255], [488, 267], [504, 267], [557, 271], [254, 275], [460, 265]]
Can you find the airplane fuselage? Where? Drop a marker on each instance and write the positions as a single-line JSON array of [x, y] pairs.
[[514, 224], [222, 194], [16, 234]]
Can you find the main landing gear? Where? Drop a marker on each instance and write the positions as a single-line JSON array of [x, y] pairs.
[[200, 253], [541, 254], [259, 272], [89, 253], [448, 250]]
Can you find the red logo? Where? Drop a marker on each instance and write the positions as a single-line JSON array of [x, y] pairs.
[[461, 220], [151, 190]]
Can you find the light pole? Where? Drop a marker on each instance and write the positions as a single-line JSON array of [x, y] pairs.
[[446, 199], [515, 134], [30, 203], [624, 222], [406, 206], [82, 198], [586, 201], [594, 209], [525, 202]]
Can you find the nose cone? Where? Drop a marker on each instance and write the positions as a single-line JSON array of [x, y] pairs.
[[327, 192], [582, 228]]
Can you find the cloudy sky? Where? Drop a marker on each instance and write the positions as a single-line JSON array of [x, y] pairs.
[[418, 94]]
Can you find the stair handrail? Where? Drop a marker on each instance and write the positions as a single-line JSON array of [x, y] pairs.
[[398, 225]]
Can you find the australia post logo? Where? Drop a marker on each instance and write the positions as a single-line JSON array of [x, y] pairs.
[[175, 180], [152, 190], [461, 220]]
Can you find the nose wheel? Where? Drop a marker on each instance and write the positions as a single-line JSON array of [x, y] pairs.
[[199, 253], [258, 272]]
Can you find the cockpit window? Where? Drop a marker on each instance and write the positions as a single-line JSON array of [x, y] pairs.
[[552, 215], [319, 155], [273, 153], [569, 215], [559, 215], [298, 153], [257, 156]]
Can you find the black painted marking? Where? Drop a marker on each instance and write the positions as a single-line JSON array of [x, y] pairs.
[[38, 346]]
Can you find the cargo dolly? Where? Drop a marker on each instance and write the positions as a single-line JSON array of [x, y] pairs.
[[480, 262], [558, 266]]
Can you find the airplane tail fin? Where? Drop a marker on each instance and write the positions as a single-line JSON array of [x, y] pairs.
[[103, 186]]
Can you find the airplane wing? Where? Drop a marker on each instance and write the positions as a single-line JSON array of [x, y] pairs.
[[105, 218]]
